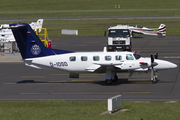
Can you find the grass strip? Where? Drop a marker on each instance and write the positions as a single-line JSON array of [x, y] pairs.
[[87, 8], [73, 110], [97, 27]]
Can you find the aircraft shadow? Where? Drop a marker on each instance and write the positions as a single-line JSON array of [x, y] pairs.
[[102, 83]]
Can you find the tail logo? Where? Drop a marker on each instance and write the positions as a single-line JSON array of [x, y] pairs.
[[35, 50]]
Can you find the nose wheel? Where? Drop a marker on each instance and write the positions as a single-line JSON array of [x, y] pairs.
[[154, 80]]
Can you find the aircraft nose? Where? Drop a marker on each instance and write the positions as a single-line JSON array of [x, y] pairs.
[[162, 64], [172, 65], [169, 65]]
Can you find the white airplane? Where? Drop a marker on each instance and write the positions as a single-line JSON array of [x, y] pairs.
[[6, 34], [35, 55], [160, 32]]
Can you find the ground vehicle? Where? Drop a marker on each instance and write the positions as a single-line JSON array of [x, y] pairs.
[[119, 38]]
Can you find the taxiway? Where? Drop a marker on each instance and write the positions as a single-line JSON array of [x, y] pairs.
[[19, 82]]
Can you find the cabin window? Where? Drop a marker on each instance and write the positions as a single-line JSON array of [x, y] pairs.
[[72, 58], [108, 58], [84, 58], [96, 58], [129, 57], [118, 57]]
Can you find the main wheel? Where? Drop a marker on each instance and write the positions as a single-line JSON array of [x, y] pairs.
[[115, 78], [108, 82], [160, 35]]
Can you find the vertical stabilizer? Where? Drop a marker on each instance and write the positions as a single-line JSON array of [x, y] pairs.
[[29, 44], [162, 28]]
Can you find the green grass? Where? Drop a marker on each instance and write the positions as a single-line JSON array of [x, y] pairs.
[[87, 8], [96, 27], [75, 110]]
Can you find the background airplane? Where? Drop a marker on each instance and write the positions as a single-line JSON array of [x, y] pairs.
[[6, 34], [35, 55], [161, 31]]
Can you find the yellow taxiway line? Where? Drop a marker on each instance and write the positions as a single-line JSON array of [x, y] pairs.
[[172, 57], [90, 93], [136, 92], [82, 80], [9, 83], [87, 93], [33, 93], [32, 76]]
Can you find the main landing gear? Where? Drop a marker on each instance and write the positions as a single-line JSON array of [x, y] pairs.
[[153, 76], [110, 81], [110, 75]]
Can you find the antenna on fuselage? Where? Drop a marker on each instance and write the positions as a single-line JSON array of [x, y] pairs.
[[105, 49]]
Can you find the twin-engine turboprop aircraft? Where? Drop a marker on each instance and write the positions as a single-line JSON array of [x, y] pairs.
[[35, 55], [160, 32]]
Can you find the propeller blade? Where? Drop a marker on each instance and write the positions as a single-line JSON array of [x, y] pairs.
[[156, 56], [152, 59]]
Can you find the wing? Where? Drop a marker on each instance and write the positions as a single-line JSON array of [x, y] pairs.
[[99, 65]]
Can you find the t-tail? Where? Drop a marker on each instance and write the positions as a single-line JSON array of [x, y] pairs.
[[29, 44], [162, 30]]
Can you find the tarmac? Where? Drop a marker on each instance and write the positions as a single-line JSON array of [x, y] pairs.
[[20, 82], [10, 57]]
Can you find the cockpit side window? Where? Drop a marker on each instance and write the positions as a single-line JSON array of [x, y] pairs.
[[129, 57], [136, 56]]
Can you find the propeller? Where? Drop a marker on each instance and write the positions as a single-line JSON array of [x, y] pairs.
[[153, 75], [152, 68], [152, 59], [156, 56]]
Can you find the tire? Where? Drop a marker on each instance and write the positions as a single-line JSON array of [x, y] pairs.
[[109, 82], [154, 80], [115, 78]]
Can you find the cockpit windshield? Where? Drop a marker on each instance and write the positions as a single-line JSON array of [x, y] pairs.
[[119, 33], [136, 56]]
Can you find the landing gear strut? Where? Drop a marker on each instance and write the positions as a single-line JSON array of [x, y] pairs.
[[110, 75], [153, 72], [110, 81], [153, 76]]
